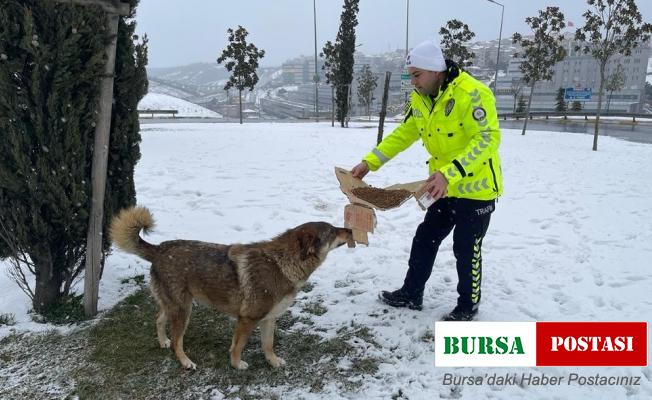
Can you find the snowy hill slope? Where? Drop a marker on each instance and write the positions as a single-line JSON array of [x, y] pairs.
[[159, 101]]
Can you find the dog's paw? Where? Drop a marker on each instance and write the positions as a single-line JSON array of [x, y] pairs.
[[165, 344], [241, 365], [189, 365], [276, 362]]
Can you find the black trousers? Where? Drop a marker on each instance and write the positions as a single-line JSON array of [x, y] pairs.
[[470, 220]]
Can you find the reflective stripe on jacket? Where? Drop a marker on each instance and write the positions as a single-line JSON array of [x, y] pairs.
[[459, 128]]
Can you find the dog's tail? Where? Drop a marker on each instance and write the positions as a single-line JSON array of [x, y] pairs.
[[125, 229]]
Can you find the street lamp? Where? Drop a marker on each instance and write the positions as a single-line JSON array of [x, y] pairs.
[[314, 12], [500, 37], [407, 24]]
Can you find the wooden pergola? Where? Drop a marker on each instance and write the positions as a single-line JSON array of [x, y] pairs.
[[114, 9]]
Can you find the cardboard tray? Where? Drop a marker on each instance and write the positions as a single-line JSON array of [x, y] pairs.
[[361, 220], [359, 217], [348, 183]]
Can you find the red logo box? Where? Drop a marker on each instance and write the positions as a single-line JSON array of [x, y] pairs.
[[604, 344]]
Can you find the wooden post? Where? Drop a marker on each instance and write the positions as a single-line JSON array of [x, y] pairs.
[[383, 109], [113, 9], [98, 173]]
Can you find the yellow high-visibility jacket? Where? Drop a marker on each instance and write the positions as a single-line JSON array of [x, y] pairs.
[[459, 128]]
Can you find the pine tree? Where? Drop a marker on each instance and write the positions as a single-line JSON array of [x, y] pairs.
[[367, 83], [242, 61], [612, 27], [576, 106], [541, 53], [561, 102], [455, 37], [338, 58], [520, 107], [52, 59]]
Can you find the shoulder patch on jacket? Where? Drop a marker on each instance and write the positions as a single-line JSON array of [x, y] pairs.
[[479, 113]]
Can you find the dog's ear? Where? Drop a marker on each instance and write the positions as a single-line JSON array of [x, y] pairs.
[[308, 245]]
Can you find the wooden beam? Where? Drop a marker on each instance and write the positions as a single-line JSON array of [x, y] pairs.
[[114, 9], [110, 6], [98, 173], [383, 109]]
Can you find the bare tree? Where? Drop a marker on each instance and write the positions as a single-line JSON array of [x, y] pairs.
[[454, 39], [543, 51], [367, 83], [611, 27]]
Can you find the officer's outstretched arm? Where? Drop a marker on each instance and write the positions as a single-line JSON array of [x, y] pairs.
[[400, 139]]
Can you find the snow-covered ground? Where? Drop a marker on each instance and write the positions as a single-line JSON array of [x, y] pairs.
[[160, 101], [571, 239]]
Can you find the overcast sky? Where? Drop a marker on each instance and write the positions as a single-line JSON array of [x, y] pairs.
[[188, 31]]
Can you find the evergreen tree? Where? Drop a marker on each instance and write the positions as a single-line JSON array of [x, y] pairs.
[[561, 102], [242, 61], [52, 58], [367, 83], [455, 37], [520, 107], [338, 58], [542, 52], [614, 82], [612, 27], [576, 106]]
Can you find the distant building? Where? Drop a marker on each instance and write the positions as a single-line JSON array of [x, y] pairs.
[[486, 52], [301, 70], [579, 71]]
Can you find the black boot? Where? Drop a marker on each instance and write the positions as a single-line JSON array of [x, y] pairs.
[[461, 314], [401, 298]]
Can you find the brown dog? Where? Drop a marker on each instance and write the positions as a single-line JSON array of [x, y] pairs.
[[255, 283]]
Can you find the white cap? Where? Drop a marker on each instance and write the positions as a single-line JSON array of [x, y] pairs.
[[426, 55]]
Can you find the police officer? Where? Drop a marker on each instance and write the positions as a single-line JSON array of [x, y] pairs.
[[454, 115]]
